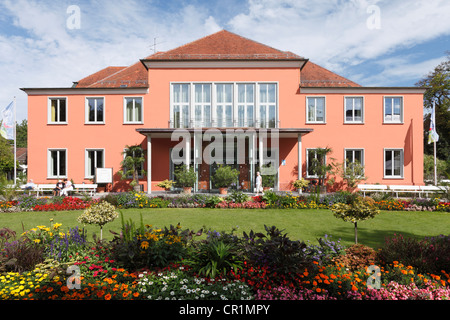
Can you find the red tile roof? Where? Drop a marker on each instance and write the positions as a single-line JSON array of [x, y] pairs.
[[313, 75], [111, 77], [222, 45]]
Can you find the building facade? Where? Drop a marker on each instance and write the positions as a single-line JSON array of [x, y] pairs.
[[223, 99]]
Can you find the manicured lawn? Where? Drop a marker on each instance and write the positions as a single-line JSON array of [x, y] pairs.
[[299, 224]]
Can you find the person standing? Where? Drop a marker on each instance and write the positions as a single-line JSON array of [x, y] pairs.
[[258, 183]]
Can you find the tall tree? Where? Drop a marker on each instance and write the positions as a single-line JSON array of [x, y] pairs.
[[22, 134], [438, 84]]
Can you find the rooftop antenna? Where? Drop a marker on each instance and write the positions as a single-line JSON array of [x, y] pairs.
[[153, 46]]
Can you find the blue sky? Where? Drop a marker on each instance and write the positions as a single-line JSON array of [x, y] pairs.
[[374, 43]]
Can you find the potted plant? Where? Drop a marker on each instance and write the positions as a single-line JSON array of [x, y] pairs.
[[268, 181], [133, 162], [166, 184], [224, 177], [300, 184], [185, 178]]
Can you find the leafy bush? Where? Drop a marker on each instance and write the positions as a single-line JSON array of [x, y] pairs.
[[99, 213], [358, 257], [145, 246], [215, 257], [21, 255], [237, 197], [276, 251], [429, 255], [224, 176], [325, 251]]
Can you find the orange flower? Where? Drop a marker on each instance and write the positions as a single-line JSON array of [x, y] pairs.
[[354, 288], [108, 296], [49, 289], [318, 290]]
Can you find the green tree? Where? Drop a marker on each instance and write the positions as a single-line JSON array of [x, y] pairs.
[[6, 156], [438, 84], [132, 163], [22, 134]]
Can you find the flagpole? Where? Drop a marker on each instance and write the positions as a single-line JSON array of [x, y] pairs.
[[434, 142], [15, 149]]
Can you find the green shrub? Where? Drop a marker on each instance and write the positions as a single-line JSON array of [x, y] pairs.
[[144, 246], [225, 176], [237, 197], [21, 255], [276, 251], [215, 257], [428, 255]]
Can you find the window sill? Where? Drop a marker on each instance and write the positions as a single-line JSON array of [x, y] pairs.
[[393, 122]]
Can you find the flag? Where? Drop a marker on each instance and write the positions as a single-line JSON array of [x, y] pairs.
[[7, 128], [432, 134]]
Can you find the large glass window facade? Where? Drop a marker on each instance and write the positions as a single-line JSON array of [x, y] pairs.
[[224, 105]]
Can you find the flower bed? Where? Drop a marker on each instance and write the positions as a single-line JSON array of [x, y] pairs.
[[145, 263], [236, 199]]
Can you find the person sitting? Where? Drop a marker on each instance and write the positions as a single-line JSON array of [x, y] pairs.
[[58, 188], [68, 186], [30, 185]]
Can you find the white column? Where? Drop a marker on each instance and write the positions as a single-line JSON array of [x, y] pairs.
[[149, 164], [299, 155], [260, 151], [188, 153]]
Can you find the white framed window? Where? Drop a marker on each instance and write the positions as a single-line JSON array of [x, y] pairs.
[[354, 156], [393, 163], [246, 104], [353, 109], [202, 105], [95, 110], [56, 163], [315, 110], [393, 110], [180, 105], [267, 105], [313, 158], [133, 110], [94, 158], [57, 110], [224, 105]]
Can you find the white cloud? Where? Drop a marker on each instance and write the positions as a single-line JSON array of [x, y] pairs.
[[45, 53], [401, 68], [335, 33]]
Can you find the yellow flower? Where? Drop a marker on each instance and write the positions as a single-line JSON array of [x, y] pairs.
[[144, 245], [37, 240]]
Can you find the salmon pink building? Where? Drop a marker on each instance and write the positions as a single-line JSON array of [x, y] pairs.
[[223, 99]]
